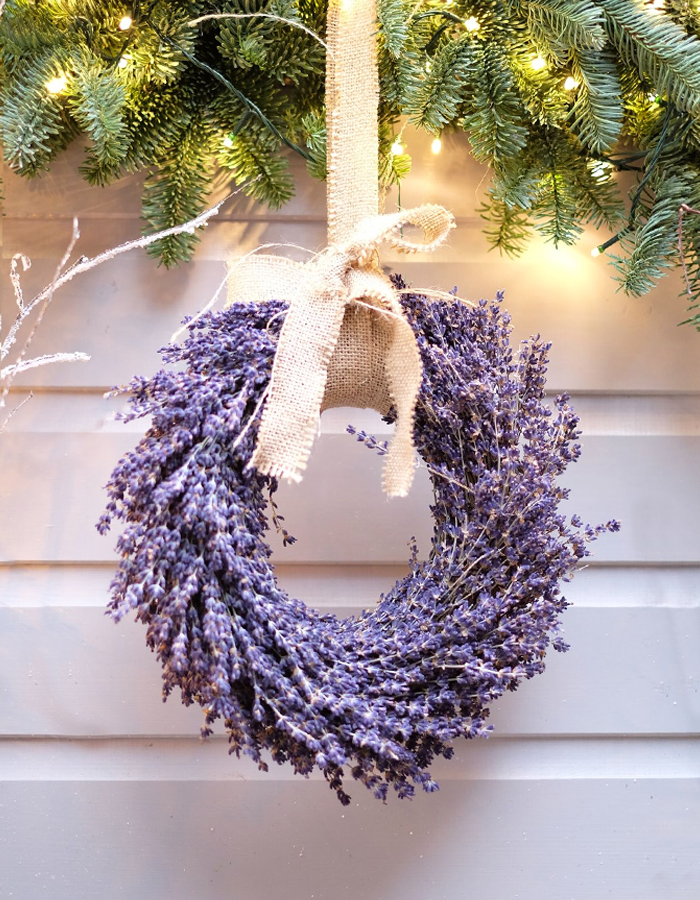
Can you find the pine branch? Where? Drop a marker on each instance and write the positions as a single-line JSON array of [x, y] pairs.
[[555, 209], [509, 227], [558, 26], [34, 124], [652, 246], [494, 117], [316, 137], [665, 56], [597, 116], [689, 255], [253, 162], [598, 201], [439, 99], [393, 19], [178, 191], [97, 104]]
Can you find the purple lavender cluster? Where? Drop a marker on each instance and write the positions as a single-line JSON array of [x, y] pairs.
[[381, 695]]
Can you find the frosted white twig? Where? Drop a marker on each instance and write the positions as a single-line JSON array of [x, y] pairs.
[[15, 277], [183, 328], [46, 296], [291, 22], [11, 371], [86, 263], [14, 411], [62, 276]]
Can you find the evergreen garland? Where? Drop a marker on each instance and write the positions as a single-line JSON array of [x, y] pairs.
[[555, 96]]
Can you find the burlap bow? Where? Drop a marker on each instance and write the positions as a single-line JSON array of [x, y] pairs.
[[345, 340], [330, 353]]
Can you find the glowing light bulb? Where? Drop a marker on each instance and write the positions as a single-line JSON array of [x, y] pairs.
[[428, 66], [600, 169], [436, 146], [125, 23], [227, 141], [652, 98], [471, 24], [396, 148], [57, 85], [538, 63], [595, 251], [124, 61], [570, 83], [659, 4]]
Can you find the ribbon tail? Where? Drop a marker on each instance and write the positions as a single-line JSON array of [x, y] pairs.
[[299, 372], [404, 375]]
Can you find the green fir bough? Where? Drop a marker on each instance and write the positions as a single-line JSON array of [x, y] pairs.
[[556, 96]]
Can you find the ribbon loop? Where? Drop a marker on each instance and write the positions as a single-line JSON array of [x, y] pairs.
[[434, 221]]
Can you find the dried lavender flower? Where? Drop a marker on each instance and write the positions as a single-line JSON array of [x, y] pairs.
[[382, 694]]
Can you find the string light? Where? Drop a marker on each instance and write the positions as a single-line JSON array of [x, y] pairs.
[[659, 4], [125, 23], [471, 24], [57, 85], [124, 61], [228, 141], [570, 83], [601, 248], [538, 63], [396, 148], [600, 168], [436, 146]]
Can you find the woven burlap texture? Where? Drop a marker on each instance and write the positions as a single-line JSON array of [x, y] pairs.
[[345, 340]]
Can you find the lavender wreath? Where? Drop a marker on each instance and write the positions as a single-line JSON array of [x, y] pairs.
[[385, 692]]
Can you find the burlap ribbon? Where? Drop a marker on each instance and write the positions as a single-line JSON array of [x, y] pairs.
[[345, 340]]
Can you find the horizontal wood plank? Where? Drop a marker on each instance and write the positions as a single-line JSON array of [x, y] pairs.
[[338, 512], [61, 193], [547, 840], [358, 586], [87, 410], [498, 758], [71, 671]]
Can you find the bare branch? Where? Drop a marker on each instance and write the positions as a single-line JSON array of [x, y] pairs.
[[183, 328], [15, 277], [47, 293], [11, 371], [85, 263], [62, 276], [14, 411]]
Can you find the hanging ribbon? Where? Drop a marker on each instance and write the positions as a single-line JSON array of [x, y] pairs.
[[345, 340]]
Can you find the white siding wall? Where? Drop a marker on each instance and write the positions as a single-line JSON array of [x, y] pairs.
[[591, 786]]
